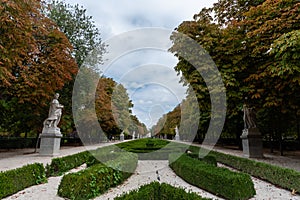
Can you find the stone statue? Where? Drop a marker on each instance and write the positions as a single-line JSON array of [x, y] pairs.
[[249, 117], [177, 138], [133, 135], [176, 130], [55, 113]]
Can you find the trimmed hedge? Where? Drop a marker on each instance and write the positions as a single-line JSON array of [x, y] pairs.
[[60, 165], [219, 181], [283, 177], [157, 191], [207, 159], [12, 181], [98, 178], [103, 155], [152, 149], [145, 145], [17, 143], [88, 183]]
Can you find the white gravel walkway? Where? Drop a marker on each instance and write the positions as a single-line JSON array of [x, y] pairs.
[[144, 174]]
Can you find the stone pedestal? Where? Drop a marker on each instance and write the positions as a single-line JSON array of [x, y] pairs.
[[177, 138], [50, 141], [252, 143]]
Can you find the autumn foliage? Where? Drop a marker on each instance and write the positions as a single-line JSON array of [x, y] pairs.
[[35, 61]]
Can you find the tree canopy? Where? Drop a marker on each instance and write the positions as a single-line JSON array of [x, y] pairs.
[[255, 46], [35, 61]]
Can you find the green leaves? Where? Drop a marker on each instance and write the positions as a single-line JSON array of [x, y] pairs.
[[79, 29], [255, 46]]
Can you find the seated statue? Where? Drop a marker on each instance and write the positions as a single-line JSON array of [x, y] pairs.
[[55, 113]]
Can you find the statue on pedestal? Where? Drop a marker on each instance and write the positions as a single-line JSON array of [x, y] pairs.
[[55, 113], [251, 136], [249, 117], [51, 136]]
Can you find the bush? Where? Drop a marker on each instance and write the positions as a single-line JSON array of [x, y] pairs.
[[283, 177], [279, 176], [207, 159], [145, 145], [17, 143], [152, 149], [98, 178], [103, 155], [12, 181], [126, 163], [219, 181], [159, 191], [88, 183], [64, 164]]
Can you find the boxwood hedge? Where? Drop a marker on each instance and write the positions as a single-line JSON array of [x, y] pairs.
[[157, 191], [219, 181], [63, 164], [12, 181], [283, 177], [98, 178]]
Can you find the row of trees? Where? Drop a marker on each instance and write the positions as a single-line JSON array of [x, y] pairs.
[[42, 47], [256, 48]]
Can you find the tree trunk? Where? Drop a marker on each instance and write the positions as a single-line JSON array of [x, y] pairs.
[[298, 128], [271, 138], [281, 144]]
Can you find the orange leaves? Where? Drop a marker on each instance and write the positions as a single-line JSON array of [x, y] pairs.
[[35, 56]]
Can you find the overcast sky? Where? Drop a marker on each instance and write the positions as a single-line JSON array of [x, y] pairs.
[[148, 74]]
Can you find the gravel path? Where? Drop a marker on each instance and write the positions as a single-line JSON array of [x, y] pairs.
[[144, 174]]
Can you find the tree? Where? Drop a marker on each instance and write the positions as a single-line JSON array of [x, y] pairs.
[[137, 126], [254, 45], [86, 41], [272, 39], [35, 62], [167, 123], [79, 29], [122, 106]]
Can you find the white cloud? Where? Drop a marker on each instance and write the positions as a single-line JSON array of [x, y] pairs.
[[116, 16]]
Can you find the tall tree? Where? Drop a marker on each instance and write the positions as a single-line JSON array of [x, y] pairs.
[[85, 38], [35, 62], [253, 44], [79, 28]]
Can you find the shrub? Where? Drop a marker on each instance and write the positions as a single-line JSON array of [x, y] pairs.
[[152, 149], [98, 178], [283, 177], [103, 155], [64, 164], [126, 163], [88, 183], [159, 191], [17, 143], [279, 176], [219, 181], [12, 181], [207, 159], [143, 145]]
